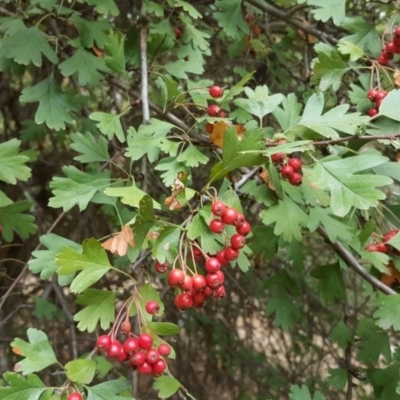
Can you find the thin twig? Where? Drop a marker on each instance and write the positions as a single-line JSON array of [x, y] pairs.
[[363, 137], [246, 177]]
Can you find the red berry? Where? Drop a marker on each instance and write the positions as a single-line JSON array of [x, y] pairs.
[[230, 253], [381, 95], [178, 32], [216, 91], [397, 31], [277, 158], [137, 359], [145, 341], [382, 248], [396, 41], [145, 368], [122, 356], [164, 350], [125, 327], [229, 216], [209, 128], [198, 299], [390, 48], [152, 307], [372, 94], [238, 241], [161, 268], [184, 301], [152, 356], [115, 349], [187, 283], [221, 257], [212, 264], [219, 293], [382, 60], [371, 247], [74, 396], [207, 291], [199, 282], [390, 235], [197, 254], [131, 345], [372, 112], [244, 229], [296, 179], [287, 171], [213, 110], [103, 342], [222, 114], [159, 367], [217, 226], [218, 208], [176, 277], [214, 280], [295, 163], [239, 221], [221, 276], [387, 55]]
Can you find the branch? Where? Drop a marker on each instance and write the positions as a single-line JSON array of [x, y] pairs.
[[143, 68], [353, 263], [363, 137]]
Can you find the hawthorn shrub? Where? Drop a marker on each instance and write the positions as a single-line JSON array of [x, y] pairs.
[[199, 199]]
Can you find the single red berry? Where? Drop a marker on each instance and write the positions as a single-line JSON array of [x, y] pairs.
[[217, 226], [396, 41], [218, 208], [207, 291], [230, 253], [238, 241], [244, 229], [213, 110], [197, 254], [229, 216], [74, 396], [212, 264], [371, 247], [145, 368], [122, 356], [178, 32], [219, 293], [199, 282], [221, 257], [152, 356], [390, 235], [164, 350], [184, 301], [390, 48], [296, 179], [382, 248], [278, 158], [209, 128], [216, 91], [295, 163], [125, 327], [372, 112], [176, 277], [397, 31], [137, 359], [131, 345], [103, 342], [372, 95], [152, 307], [222, 114], [115, 349], [287, 171], [382, 60], [387, 55], [198, 299], [159, 367], [214, 280], [145, 341], [161, 268], [187, 283], [239, 221], [381, 95], [221, 276]]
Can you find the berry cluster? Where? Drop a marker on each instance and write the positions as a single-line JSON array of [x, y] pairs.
[[384, 247], [376, 96], [139, 351], [290, 168], [390, 49]]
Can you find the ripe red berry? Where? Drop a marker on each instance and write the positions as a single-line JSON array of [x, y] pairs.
[[207, 291], [230, 253], [159, 367], [214, 280], [229, 216], [295, 163], [277, 158], [137, 359], [122, 356], [115, 349], [103, 342], [382, 60], [244, 229], [381, 95], [396, 41], [222, 114], [296, 179], [131, 345], [218, 208], [209, 128], [152, 356], [164, 350], [178, 32], [145, 341], [390, 235], [152, 307], [125, 327], [217, 226], [371, 247], [287, 171], [221, 257], [238, 241], [198, 299], [212, 264], [187, 283], [161, 268], [199, 282], [216, 91], [219, 293], [213, 110], [390, 48], [387, 55], [145, 368], [74, 396], [197, 254], [372, 112], [397, 31], [176, 277], [239, 221], [382, 248], [372, 95], [184, 301]]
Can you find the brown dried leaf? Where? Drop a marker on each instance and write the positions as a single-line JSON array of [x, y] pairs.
[[396, 76], [168, 201], [118, 244], [218, 133], [392, 276]]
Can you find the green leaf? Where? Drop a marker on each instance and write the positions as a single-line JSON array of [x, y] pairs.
[[337, 378], [38, 352], [391, 169], [193, 40], [378, 260], [54, 105], [109, 125], [104, 6], [44, 260], [77, 188], [192, 157], [12, 164], [115, 50], [388, 313], [20, 388], [92, 150], [130, 195], [165, 243], [330, 285], [91, 32], [80, 371], [163, 328], [188, 8], [303, 393], [259, 102], [12, 220], [86, 65], [109, 390], [335, 9], [385, 382], [342, 335], [390, 105], [93, 263], [288, 218], [289, 114], [349, 189], [100, 307], [172, 168], [329, 68], [261, 192], [180, 68], [230, 19], [351, 49], [46, 310], [166, 386], [27, 46]]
